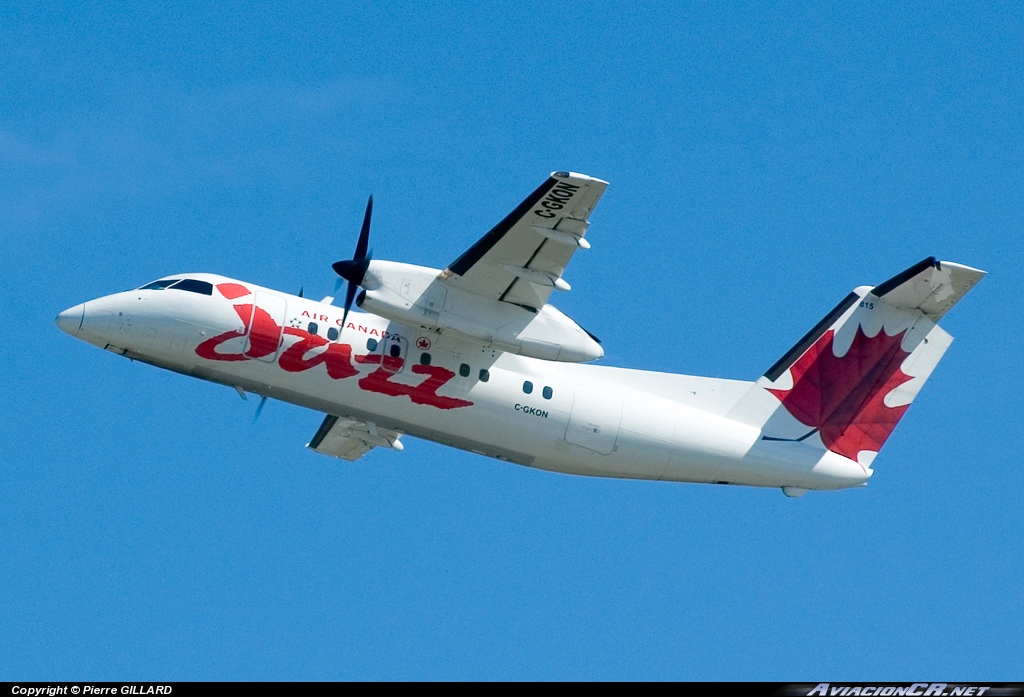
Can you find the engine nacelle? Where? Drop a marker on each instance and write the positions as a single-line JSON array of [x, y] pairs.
[[414, 295]]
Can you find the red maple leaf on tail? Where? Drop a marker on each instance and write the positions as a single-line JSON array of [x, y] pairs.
[[843, 397]]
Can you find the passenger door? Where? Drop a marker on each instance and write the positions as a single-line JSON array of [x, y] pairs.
[[594, 422], [265, 328]]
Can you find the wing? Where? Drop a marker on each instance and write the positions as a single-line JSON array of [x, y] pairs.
[[522, 258], [349, 439]]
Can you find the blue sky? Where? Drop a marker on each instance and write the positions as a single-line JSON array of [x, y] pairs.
[[764, 159]]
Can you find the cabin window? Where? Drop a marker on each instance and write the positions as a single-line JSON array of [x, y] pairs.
[[395, 350], [547, 393], [425, 359], [371, 344], [332, 333], [464, 370], [159, 285], [194, 286], [485, 375], [312, 327], [527, 387]]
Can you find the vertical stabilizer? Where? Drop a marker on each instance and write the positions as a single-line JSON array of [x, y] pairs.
[[847, 383]]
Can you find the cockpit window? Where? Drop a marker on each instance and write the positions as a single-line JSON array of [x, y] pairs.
[[189, 284], [159, 285], [194, 286]]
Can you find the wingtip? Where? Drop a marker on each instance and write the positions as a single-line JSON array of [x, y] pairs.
[[578, 176], [962, 267]]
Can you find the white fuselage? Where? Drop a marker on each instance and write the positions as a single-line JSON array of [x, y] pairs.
[[566, 417]]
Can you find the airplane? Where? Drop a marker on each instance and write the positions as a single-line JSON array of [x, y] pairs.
[[475, 357]]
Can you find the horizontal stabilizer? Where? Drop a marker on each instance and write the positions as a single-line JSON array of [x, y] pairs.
[[931, 286]]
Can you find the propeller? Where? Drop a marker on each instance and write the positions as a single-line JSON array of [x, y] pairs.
[[354, 270]]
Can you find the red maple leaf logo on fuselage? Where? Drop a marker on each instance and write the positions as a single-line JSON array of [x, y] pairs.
[[843, 397]]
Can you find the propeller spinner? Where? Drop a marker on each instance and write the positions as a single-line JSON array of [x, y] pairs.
[[354, 270]]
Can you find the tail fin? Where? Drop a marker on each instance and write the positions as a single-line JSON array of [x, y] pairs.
[[848, 382]]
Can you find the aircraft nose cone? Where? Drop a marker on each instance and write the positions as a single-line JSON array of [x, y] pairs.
[[70, 320]]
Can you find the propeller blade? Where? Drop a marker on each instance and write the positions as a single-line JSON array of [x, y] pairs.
[[354, 270], [259, 408], [350, 294], [364, 233]]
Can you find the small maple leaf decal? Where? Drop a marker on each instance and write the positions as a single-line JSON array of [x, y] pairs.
[[844, 397]]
